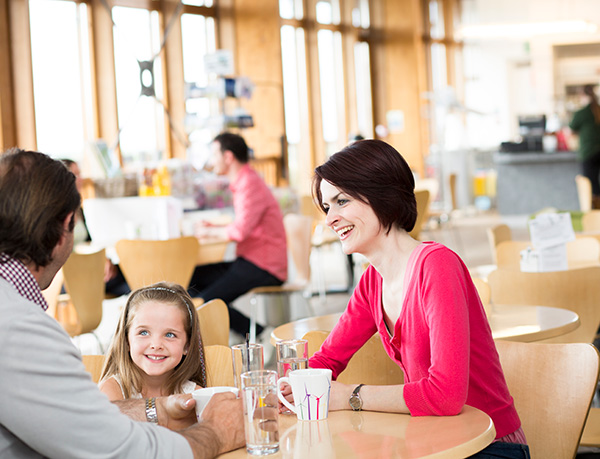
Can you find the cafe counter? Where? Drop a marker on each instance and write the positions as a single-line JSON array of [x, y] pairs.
[[530, 181]]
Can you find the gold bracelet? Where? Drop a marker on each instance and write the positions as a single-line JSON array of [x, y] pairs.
[[151, 415]]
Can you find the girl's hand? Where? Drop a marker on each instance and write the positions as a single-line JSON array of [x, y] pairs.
[[286, 391]]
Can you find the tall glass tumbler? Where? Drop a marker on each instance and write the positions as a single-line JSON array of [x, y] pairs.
[[246, 357], [261, 407], [292, 354]]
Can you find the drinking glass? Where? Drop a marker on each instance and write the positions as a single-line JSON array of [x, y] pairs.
[[246, 357], [292, 354], [261, 422]]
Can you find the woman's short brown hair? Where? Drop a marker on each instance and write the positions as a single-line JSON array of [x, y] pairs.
[[373, 172]]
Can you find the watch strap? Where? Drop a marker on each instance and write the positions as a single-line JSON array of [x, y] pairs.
[[151, 415]]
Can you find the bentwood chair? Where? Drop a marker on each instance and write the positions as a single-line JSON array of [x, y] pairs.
[[575, 289], [584, 193], [590, 221], [298, 230], [94, 364], [497, 234], [146, 262], [79, 311], [219, 366], [583, 251], [214, 322], [552, 386], [485, 293], [370, 364], [422, 197]]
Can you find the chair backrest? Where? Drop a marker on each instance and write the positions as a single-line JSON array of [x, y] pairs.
[[298, 230], [496, 235], [485, 293], [370, 364], [422, 198], [584, 192], [552, 386], [214, 322], [219, 366], [452, 178], [84, 282], [590, 221], [146, 262], [582, 250], [52, 292], [93, 364], [574, 289]]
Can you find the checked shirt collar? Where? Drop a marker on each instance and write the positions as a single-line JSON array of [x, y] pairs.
[[15, 272]]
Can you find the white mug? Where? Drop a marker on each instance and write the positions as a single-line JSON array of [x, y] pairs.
[[203, 395], [310, 388]]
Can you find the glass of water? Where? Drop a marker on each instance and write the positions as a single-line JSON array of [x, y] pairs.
[[292, 354], [261, 407]]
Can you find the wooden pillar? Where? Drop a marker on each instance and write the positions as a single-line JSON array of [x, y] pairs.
[[8, 132], [399, 70], [257, 55], [22, 74]]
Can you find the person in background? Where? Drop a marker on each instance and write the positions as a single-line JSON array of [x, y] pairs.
[[257, 229], [50, 406], [586, 123], [115, 283], [419, 296], [157, 349]]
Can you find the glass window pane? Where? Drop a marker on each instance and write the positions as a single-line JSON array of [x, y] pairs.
[[290, 84], [207, 3], [327, 79], [364, 103], [61, 77], [141, 117], [198, 39], [291, 9], [436, 19], [328, 11], [360, 14]]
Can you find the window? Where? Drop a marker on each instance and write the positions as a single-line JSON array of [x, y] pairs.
[[61, 77]]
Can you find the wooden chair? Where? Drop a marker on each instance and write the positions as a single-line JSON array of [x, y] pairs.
[[574, 289], [52, 292], [298, 229], [422, 197], [485, 293], [219, 366], [79, 311], [146, 262], [591, 431], [370, 365], [552, 386], [93, 364], [590, 221], [584, 193], [214, 322], [497, 234], [583, 251]]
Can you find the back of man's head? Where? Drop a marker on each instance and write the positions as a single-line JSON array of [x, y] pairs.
[[234, 143], [37, 194]]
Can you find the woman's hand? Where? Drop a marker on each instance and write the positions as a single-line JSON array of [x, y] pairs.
[[286, 391]]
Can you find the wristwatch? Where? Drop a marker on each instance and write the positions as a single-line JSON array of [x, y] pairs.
[[355, 400], [151, 415]]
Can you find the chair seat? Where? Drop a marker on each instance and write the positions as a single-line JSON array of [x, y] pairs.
[[591, 431]]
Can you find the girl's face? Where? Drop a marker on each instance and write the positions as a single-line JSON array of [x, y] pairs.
[[354, 221], [157, 338]]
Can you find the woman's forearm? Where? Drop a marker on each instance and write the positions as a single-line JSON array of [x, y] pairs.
[[375, 398]]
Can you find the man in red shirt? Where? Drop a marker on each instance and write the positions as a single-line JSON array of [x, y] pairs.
[[261, 254]]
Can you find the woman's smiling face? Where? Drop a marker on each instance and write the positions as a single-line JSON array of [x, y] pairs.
[[354, 221]]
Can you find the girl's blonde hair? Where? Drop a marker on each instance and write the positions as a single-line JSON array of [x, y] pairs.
[[192, 366]]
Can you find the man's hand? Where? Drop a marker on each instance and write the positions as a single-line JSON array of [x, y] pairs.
[[176, 411], [221, 428]]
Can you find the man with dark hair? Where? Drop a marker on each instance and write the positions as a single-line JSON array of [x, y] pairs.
[[257, 229], [50, 406]]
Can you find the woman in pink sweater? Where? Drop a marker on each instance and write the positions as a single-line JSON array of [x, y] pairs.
[[419, 297]]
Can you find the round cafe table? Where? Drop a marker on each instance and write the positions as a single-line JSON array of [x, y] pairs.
[[369, 434], [510, 322]]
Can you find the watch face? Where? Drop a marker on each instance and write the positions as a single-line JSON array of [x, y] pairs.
[[355, 402]]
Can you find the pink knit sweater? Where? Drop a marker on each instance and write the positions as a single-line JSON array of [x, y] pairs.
[[442, 339], [258, 225]]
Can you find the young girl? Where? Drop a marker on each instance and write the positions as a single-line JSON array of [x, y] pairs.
[[157, 349]]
